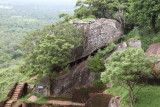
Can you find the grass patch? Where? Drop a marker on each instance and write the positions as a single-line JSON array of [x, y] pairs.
[[146, 36], [41, 98], [8, 78], [149, 96]]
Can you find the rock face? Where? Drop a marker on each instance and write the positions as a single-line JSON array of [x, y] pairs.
[[154, 49], [99, 100], [82, 94], [114, 102], [79, 76], [135, 43], [124, 45], [43, 88], [97, 34]]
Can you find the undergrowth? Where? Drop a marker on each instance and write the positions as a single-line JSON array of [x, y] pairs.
[[41, 98], [148, 96], [146, 36], [7, 79]]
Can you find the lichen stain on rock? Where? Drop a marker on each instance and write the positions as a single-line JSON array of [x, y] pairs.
[[97, 35]]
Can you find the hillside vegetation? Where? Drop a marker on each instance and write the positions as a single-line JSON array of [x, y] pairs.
[[47, 51]]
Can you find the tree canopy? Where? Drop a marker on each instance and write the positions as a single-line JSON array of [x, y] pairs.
[[127, 12], [125, 68], [49, 49], [144, 11]]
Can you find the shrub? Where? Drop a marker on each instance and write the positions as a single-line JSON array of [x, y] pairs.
[[145, 34], [95, 64], [48, 49], [106, 51], [125, 68]]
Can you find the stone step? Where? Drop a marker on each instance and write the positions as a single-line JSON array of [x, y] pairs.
[[10, 101], [19, 87], [14, 96], [21, 83], [17, 90], [8, 104], [15, 93]]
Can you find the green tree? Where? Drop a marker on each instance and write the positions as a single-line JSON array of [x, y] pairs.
[[125, 68], [97, 8], [116, 9], [65, 16], [49, 49], [142, 11]]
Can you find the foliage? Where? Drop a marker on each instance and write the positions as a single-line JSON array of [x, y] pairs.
[[143, 11], [16, 22], [145, 34], [65, 16], [106, 51], [129, 13], [86, 8], [48, 50], [124, 68], [41, 98], [95, 64], [8, 78], [148, 96]]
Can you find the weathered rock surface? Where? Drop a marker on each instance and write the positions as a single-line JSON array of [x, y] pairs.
[[135, 43], [99, 100], [124, 45], [32, 98], [79, 76], [154, 49], [97, 34], [114, 102], [82, 94], [43, 88]]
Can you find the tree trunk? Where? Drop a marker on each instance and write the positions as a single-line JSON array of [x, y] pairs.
[[154, 23], [130, 96]]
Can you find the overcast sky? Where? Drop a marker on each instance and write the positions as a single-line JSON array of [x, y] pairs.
[[42, 1], [53, 3]]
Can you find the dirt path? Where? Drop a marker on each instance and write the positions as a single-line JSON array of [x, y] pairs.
[[65, 103], [32, 78]]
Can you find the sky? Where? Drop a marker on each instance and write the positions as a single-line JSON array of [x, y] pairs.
[[40, 1], [56, 3]]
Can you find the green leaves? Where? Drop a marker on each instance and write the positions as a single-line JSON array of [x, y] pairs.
[[49, 49], [141, 11], [125, 65], [95, 64]]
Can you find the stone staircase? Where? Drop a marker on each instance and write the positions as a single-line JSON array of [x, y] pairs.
[[16, 94], [9, 103], [17, 91]]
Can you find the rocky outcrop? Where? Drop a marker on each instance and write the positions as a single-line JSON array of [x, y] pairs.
[[154, 49], [99, 100], [79, 76], [43, 87], [82, 94], [124, 45], [97, 34], [114, 102]]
